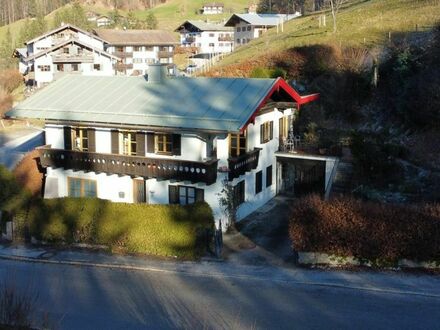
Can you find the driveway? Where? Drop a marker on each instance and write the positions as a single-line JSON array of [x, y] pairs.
[[262, 237]]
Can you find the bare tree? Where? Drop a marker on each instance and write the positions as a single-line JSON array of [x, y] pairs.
[[335, 5]]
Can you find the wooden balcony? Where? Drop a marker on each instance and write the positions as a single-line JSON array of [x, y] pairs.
[[244, 163], [134, 166], [124, 66], [165, 54], [225, 38], [66, 58], [123, 54]]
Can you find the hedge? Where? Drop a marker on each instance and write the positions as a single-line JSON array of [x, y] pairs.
[[164, 230], [381, 233]]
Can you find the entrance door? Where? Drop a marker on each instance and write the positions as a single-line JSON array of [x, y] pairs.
[[139, 195]]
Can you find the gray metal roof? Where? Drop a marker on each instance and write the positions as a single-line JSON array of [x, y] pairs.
[[218, 104], [261, 19], [204, 26]]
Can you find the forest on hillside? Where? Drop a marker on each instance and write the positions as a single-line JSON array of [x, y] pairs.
[[13, 10]]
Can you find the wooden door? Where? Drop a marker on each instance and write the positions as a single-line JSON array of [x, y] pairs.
[[139, 195]]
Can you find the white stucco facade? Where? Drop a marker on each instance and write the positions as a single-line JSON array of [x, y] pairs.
[[194, 147], [209, 42]]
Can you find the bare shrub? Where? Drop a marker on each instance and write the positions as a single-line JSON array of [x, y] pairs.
[[351, 227], [17, 306], [5, 101], [10, 80], [28, 174]]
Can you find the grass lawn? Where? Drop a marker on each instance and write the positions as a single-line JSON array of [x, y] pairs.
[[365, 22]]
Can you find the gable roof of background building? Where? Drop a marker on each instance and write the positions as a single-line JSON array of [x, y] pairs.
[[211, 104], [203, 26], [261, 19], [61, 28], [66, 42], [137, 37]]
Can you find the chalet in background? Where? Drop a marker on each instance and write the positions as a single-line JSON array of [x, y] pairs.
[[71, 50], [213, 8], [252, 25]]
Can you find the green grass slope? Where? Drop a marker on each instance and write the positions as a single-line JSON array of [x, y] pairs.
[[366, 22]]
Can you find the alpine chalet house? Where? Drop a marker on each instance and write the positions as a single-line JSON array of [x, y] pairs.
[[252, 25], [161, 140], [213, 8], [66, 49], [207, 38], [139, 48]]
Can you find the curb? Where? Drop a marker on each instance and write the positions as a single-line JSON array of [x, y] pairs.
[[216, 275]]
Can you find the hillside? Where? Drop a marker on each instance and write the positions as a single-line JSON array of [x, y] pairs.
[[365, 23]]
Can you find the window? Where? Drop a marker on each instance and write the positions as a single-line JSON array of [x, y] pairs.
[[60, 67], [65, 50], [149, 48], [237, 144], [80, 51], [80, 139], [150, 60], [184, 195], [137, 60], [211, 35], [238, 29], [239, 193], [249, 28], [238, 41], [258, 182], [75, 67], [164, 49], [81, 187], [127, 143], [164, 60], [285, 123], [137, 48], [44, 68], [163, 143], [119, 49], [211, 44], [269, 176], [266, 132], [97, 67]]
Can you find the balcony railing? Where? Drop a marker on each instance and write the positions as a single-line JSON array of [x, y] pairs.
[[244, 163], [165, 54], [124, 66], [225, 38], [123, 54], [84, 58], [166, 169]]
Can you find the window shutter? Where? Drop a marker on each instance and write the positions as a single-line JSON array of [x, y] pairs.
[[173, 192], [261, 134], [115, 142], [150, 143], [271, 130], [67, 138], [200, 195], [140, 143], [92, 139], [177, 144]]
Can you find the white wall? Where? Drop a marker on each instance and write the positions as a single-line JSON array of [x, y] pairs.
[[193, 148]]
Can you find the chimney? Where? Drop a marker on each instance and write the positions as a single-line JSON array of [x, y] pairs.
[[157, 73]]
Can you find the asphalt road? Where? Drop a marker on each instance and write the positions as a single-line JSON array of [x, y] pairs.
[[15, 143], [97, 298]]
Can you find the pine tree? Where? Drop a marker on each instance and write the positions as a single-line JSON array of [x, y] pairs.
[[151, 21]]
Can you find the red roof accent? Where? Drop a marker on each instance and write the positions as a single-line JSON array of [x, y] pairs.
[[281, 83]]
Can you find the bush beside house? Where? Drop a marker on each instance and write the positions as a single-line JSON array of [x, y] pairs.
[[382, 233], [163, 230]]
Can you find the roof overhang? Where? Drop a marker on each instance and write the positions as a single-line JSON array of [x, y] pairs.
[[281, 84], [71, 41], [234, 19], [61, 28]]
